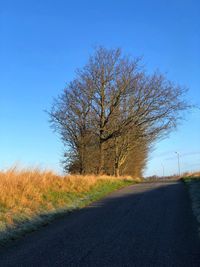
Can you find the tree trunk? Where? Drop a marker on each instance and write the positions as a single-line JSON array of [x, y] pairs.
[[116, 169], [101, 164]]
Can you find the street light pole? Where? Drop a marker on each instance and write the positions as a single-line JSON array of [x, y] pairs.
[[179, 168], [163, 169]]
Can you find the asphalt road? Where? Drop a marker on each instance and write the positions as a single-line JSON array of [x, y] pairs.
[[142, 225]]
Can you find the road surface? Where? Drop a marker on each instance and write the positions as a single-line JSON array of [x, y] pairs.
[[142, 225]]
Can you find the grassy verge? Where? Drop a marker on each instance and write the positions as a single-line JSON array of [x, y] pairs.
[[32, 198], [193, 184]]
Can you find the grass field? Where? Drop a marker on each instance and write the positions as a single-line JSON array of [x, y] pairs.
[[30, 198], [193, 182]]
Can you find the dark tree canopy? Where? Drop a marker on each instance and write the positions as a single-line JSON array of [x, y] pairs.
[[112, 112]]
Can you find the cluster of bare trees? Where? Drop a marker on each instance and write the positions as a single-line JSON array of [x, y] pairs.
[[112, 112]]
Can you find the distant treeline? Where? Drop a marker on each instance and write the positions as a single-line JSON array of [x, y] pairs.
[[112, 113]]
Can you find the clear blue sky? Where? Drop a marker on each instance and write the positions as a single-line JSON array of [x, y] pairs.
[[43, 42]]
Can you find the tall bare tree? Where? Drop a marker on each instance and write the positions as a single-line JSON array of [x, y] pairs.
[[110, 107]]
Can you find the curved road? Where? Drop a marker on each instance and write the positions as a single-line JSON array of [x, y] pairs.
[[142, 225]]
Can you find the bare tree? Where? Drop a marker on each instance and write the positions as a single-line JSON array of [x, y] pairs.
[[69, 116], [110, 107]]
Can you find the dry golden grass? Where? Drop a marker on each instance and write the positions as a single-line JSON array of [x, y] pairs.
[[192, 174], [26, 194]]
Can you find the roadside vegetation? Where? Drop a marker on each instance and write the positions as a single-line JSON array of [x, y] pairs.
[[192, 180], [31, 198]]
